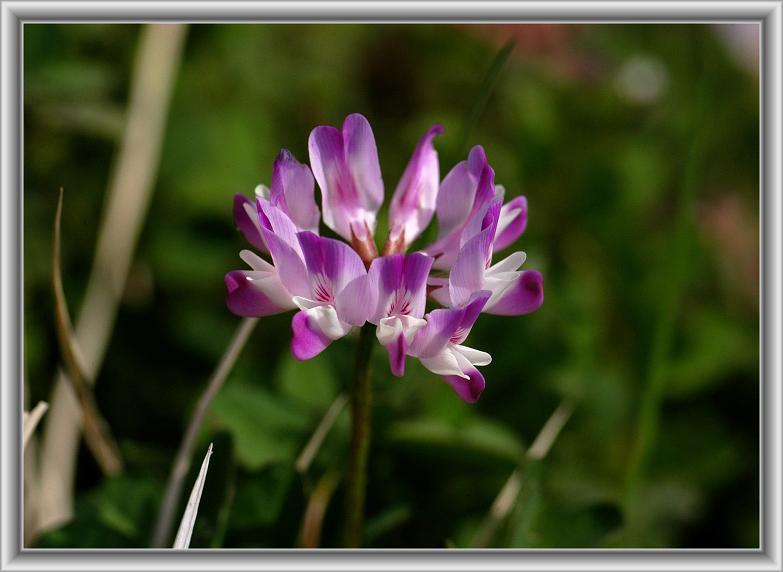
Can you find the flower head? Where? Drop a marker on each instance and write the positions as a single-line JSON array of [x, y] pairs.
[[336, 286]]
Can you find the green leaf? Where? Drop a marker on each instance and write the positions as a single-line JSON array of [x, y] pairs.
[[259, 500], [481, 437], [265, 428], [310, 382], [119, 514]]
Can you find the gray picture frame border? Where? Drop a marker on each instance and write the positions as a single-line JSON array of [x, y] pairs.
[[15, 14]]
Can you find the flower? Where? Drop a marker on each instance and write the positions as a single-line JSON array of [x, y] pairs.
[[413, 203], [438, 347], [336, 286], [345, 164], [400, 284]]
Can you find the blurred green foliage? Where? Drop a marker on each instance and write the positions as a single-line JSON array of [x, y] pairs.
[[603, 127]]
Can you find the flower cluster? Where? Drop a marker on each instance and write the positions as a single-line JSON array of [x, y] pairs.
[[336, 286]]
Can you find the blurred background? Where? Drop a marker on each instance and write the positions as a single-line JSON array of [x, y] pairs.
[[638, 149]]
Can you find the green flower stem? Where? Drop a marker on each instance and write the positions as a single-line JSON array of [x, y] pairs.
[[361, 404]]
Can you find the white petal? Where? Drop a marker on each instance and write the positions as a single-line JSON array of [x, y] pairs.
[[410, 326], [507, 215], [509, 264], [445, 362], [389, 329], [256, 262], [263, 192], [269, 283], [305, 303], [325, 319], [476, 357], [501, 276]]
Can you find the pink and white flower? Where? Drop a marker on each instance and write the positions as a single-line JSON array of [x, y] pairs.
[[335, 287]]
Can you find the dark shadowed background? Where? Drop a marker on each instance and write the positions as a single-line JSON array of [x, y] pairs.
[[637, 148]]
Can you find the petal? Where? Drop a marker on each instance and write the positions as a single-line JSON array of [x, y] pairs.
[[331, 259], [479, 198], [432, 338], [292, 190], [277, 229], [252, 295], [447, 325], [438, 289], [391, 333], [307, 342], [414, 198], [486, 207], [474, 356], [338, 196], [397, 351], [361, 156], [392, 327], [355, 301], [455, 198], [501, 276], [469, 315], [512, 223], [246, 220], [400, 282], [467, 274], [273, 218], [523, 296], [470, 389], [445, 362], [509, 264]]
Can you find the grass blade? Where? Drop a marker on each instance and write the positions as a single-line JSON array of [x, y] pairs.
[[508, 495], [185, 531], [485, 92], [185, 453], [314, 444], [31, 419], [316, 510]]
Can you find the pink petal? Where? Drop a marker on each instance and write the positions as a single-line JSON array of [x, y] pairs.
[[467, 274], [361, 156], [307, 342], [354, 302], [469, 390], [414, 199], [397, 351], [331, 259], [512, 222], [401, 284], [457, 192], [244, 297], [292, 190], [339, 200], [446, 248], [524, 296], [447, 325], [246, 220]]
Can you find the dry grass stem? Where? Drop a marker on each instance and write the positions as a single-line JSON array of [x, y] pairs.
[[96, 431], [129, 190]]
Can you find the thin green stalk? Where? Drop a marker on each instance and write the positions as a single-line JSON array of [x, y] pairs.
[[361, 405], [679, 260], [485, 91]]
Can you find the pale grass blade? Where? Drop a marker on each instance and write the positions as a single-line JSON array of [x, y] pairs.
[[189, 518], [31, 420]]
